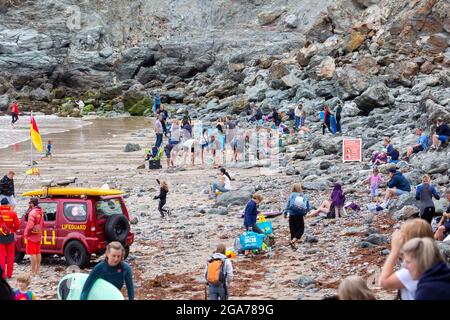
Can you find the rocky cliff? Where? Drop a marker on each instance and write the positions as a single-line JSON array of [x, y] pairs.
[[219, 55]]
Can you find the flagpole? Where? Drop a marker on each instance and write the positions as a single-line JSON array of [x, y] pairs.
[[31, 145]]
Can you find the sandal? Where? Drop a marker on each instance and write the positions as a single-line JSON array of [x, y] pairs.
[[293, 246]]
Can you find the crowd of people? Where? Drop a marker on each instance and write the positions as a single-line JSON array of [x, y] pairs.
[[422, 275]]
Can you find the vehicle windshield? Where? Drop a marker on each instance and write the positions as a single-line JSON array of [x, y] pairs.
[[109, 207]]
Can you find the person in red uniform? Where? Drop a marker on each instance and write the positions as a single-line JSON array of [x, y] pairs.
[[33, 234], [9, 223], [14, 113]]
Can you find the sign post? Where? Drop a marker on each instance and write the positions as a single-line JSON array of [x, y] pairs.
[[351, 150]]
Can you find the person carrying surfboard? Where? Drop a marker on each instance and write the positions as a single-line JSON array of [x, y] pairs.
[[113, 269]]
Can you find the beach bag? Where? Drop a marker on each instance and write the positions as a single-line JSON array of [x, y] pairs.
[[251, 240], [215, 273], [265, 227], [154, 164]]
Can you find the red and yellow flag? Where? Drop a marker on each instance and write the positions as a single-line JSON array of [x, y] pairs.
[[35, 135]]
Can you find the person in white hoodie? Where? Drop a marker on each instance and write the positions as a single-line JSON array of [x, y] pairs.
[[218, 274]]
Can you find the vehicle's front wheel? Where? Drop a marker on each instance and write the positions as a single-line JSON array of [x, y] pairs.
[[76, 254]]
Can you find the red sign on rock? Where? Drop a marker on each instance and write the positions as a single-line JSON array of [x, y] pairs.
[[351, 150]]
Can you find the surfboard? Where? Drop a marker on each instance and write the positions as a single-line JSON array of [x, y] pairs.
[[267, 214], [322, 115], [71, 286], [72, 192], [333, 124]]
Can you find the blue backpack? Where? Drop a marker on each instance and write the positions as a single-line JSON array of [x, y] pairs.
[[299, 206]]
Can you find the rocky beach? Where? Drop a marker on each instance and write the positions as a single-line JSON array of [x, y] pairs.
[[386, 61]]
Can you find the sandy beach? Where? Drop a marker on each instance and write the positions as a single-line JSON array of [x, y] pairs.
[[168, 256]]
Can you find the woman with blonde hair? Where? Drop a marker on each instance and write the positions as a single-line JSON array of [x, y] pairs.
[[425, 192], [354, 288], [401, 279], [422, 258], [297, 207]]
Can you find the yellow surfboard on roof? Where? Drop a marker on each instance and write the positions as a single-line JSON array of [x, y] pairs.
[[72, 192]]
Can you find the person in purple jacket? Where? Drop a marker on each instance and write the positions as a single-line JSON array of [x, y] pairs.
[[338, 200]]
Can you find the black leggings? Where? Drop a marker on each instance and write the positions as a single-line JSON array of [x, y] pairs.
[[296, 226], [326, 125], [15, 117], [160, 208], [428, 214]]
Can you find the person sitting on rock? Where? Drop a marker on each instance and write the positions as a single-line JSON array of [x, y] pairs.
[[251, 213], [379, 158], [420, 146], [397, 186], [276, 117], [443, 228], [325, 208], [355, 288], [401, 279], [224, 184], [442, 134], [425, 193], [390, 150], [425, 263]]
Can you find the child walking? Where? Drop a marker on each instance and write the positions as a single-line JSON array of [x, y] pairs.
[[338, 200], [162, 197], [22, 293], [374, 181], [48, 153]]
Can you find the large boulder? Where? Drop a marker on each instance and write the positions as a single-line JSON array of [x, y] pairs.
[[351, 82], [326, 69], [404, 200], [236, 197], [406, 212], [291, 21], [376, 239], [319, 185], [376, 96], [40, 94], [267, 17], [4, 102], [131, 147], [353, 41], [278, 71]]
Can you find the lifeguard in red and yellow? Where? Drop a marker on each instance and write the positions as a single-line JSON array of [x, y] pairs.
[[9, 223]]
